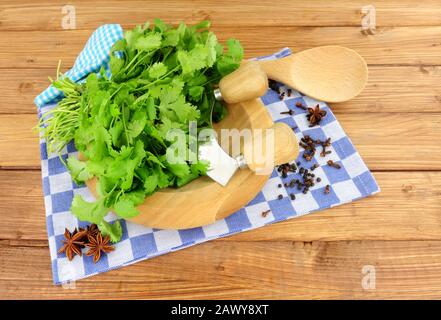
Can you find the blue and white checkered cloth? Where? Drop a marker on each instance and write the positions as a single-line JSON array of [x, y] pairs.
[[94, 56], [353, 181]]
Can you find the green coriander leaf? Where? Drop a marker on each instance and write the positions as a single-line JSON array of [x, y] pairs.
[[117, 170], [151, 108], [114, 230], [179, 169], [105, 185], [99, 146], [226, 65], [193, 60], [198, 79], [150, 183], [137, 123], [171, 38], [148, 42], [212, 48], [125, 208], [230, 61], [78, 170], [235, 50], [136, 196], [114, 110], [157, 70], [124, 153], [181, 181], [116, 64], [124, 97], [132, 35], [119, 45], [204, 24], [97, 168], [200, 167], [93, 212], [152, 158], [160, 25], [163, 179], [115, 133], [92, 85], [196, 92], [219, 111]]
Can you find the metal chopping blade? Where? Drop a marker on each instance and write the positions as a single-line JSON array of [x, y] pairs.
[[222, 166]]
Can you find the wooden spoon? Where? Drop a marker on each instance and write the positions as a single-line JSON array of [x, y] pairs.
[[328, 73]]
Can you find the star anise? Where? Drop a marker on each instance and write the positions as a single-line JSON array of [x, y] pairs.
[[315, 115], [73, 243], [98, 244], [92, 230]]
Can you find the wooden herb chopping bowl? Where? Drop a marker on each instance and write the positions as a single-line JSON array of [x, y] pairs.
[[203, 201]]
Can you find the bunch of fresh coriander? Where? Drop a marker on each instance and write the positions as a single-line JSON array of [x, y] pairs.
[[162, 78]]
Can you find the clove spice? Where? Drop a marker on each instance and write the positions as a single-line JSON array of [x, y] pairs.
[[333, 164], [290, 112], [265, 213], [301, 106]]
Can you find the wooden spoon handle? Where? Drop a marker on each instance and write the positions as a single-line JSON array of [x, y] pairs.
[[246, 83], [270, 147], [280, 69]]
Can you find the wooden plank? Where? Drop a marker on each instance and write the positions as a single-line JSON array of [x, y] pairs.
[[21, 16], [404, 89], [19, 146], [20, 87], [23, 205], [395, 141], [246, 270], [397, 89], [412, 200], [390, 45]]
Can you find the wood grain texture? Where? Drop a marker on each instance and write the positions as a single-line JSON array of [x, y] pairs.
[[395, 124], [19, 146], [241, 270], [377, 139], [404, 89], [249, 82], [390, 45], [21, 16], [412, 199]]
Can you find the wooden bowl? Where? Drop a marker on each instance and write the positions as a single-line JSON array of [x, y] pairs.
[[204, 201]]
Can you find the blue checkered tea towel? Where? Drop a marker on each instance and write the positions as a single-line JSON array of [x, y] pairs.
[[353, 181]]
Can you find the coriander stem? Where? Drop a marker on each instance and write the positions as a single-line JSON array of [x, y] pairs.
[[160, 78], [139, 60], [124, 124], [131, 62]]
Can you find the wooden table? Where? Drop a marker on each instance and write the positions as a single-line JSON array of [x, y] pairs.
[[395, 124]]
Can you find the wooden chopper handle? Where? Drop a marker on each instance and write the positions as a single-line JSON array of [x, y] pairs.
[[246, 83], [270, 147]]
